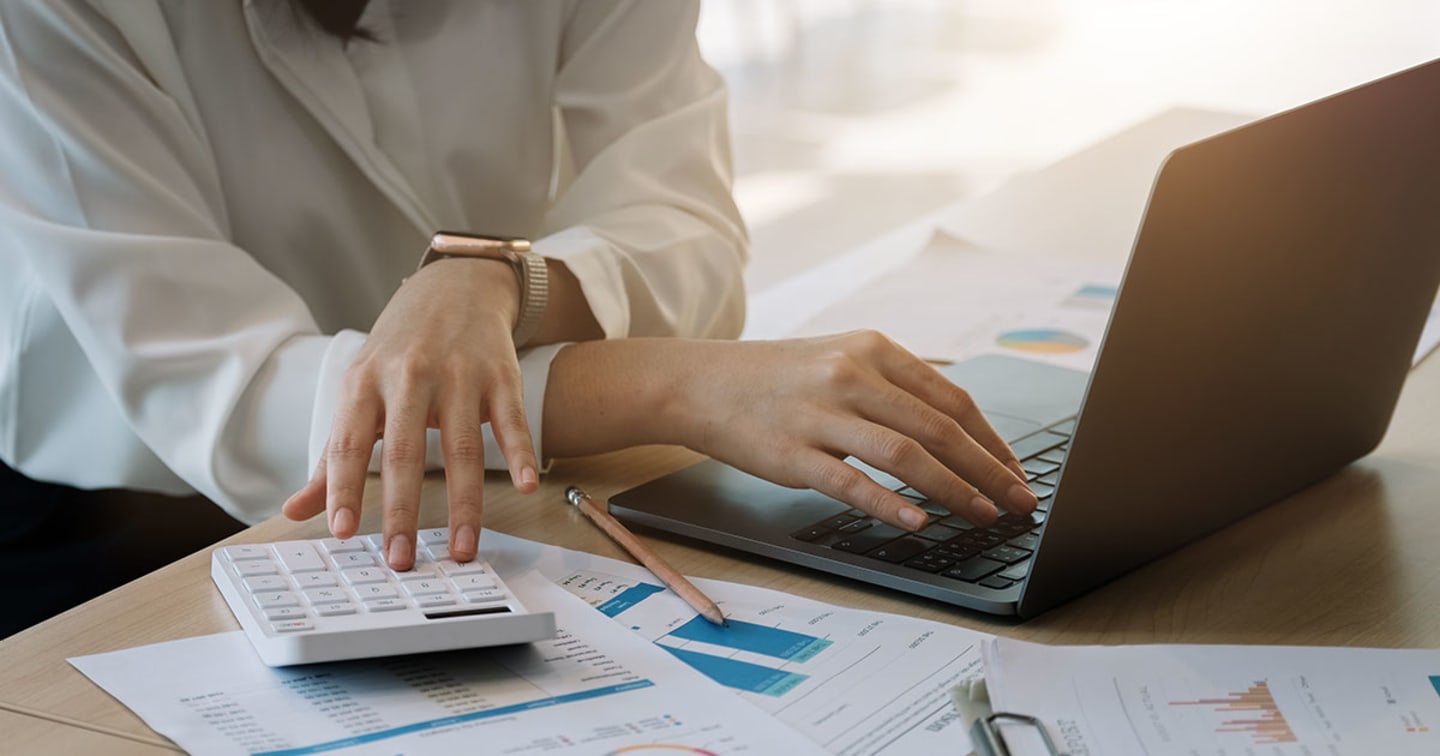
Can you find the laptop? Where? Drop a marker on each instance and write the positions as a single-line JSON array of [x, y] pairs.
[[1266, 322]]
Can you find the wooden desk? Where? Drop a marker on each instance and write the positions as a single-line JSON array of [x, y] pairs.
[[1352, 561]]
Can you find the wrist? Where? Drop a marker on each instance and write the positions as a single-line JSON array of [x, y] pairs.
[[491, 282]]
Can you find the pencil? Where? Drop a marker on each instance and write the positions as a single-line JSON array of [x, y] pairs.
[[652, 561]]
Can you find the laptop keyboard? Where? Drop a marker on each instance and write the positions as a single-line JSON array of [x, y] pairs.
[[995, 557]]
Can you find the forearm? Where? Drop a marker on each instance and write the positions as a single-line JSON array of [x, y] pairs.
[[608, 395]]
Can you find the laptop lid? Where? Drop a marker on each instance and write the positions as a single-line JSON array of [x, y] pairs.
[[1267, 320]]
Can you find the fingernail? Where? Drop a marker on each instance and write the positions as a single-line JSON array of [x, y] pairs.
[[913, 518], [399, 551], [343, 522], [528, 477], [465, 540], [1022, 497], [984, 509]]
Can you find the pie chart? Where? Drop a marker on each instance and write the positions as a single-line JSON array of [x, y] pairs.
[[1042, 341]]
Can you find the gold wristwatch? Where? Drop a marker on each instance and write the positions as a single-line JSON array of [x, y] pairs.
[[529, 268]]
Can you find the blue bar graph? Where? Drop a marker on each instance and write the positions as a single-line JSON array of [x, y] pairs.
[[740, 675], [628, 598], [748, 636]]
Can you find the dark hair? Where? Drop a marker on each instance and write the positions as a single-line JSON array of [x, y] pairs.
[[338, 18]]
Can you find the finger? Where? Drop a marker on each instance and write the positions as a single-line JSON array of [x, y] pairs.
[[347, 459], [925, 382], [840, 481], [310, 499], [944, 438], [907, 460], [464, 448], [512, 434], [402, 472]]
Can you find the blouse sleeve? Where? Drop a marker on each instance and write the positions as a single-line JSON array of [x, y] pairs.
[[112, 213], [648, 225]]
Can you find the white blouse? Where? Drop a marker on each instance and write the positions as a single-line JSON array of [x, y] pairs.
[[204, 204]]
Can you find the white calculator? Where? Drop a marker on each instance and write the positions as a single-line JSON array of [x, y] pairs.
[[329, 599]]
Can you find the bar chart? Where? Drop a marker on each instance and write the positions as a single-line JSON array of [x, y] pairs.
[[1254, 712]]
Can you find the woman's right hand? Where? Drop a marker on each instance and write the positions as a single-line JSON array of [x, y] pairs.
[[792, 411]]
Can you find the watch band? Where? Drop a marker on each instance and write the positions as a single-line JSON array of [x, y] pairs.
[[530, 272]]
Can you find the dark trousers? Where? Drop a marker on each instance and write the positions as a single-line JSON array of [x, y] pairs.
[[61, 546]]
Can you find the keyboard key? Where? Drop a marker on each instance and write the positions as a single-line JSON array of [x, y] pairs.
[[385, 605], [271, 599], [363, 575], [434, 536], [467, 583], [1054, 457], [423, 587], [1036, 443], [372, 591], [242, 553], [1037, 467], [299, 556], [939, 532], [930, 562], [957, 552], [1066, 428], [284, 613], [354, 559], [973, 569], [838, 521], [345, 546], [997, 582], [293, 626], [957, 522], [900, 550], [982, 538], [252, 567], [266, 583], [316, 580], [860, 543], [1028, 541], [485, 596], [336, 609], [1042, 490], [1007, 554], [438, 553], [316, 596], [809, 534], [452, 568], [438, 599], [1016, 571], [375, 542], [856, 526]]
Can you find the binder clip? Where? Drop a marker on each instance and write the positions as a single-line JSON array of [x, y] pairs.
[[972, 699]]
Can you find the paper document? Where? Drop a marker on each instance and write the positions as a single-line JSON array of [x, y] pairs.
[[855, 682], [956, 300], [591, 690], [1222, 700]]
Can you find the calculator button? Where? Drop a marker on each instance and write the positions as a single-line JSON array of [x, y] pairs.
[[434, 536], [325, 595], [336, 609], [423, 587], [242, 553], [376, 541], [469, 583], [316, 579], [385, 605], [452, 568], [362, 575], [292, 626], [485, 595], [271, 599], [421, 571], [376, 591], [354, 559], [438, 553], [343, 545], [299, 556], [266, 583], [284, 613], [252, 567], [441, 599]]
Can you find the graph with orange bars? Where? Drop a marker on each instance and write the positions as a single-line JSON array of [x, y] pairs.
[[1256, 714]]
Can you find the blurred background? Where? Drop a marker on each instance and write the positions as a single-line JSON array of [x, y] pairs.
[[851, 117]]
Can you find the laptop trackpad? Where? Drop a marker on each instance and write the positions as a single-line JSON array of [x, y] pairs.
[[1019, 396]]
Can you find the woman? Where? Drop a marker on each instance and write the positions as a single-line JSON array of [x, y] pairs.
[[204, 208]]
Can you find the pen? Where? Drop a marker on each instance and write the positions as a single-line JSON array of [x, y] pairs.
[[652, 561]]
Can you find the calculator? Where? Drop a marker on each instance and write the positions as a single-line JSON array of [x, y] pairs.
[[329, 599]]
